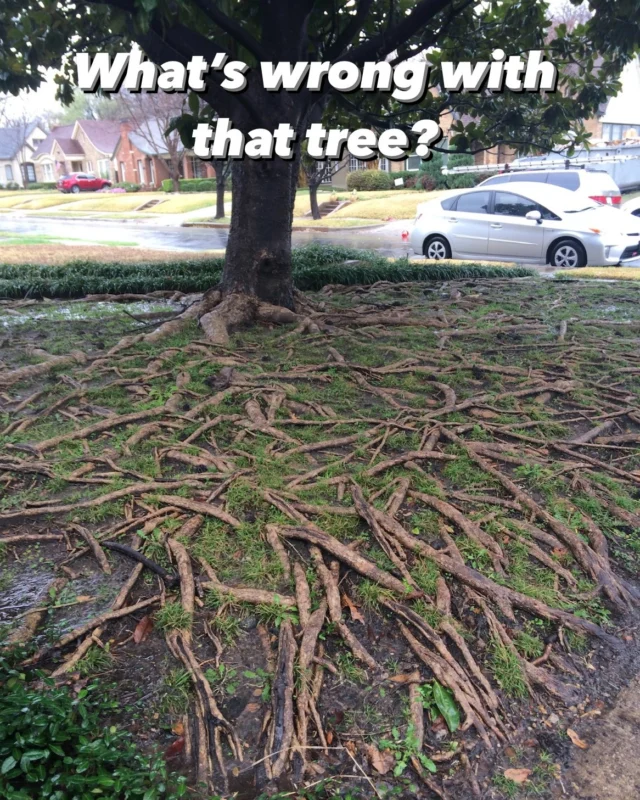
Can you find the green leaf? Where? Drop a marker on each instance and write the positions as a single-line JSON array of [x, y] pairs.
[[8, 764], [427, 763], [447, 706], [194, 103]]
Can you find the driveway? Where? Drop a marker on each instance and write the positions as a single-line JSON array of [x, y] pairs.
[[387, 239]]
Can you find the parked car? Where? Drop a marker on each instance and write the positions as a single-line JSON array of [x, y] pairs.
[[632, 207], [597, 185], [527, 222], [81, 182]]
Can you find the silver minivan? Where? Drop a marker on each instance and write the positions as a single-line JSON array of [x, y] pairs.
[[597, 185]]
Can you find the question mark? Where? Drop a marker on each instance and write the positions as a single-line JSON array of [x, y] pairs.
[[430, 133]]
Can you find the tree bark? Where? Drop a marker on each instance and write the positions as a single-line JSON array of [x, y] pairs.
[[313, 198], [258, 260], [220, 170]]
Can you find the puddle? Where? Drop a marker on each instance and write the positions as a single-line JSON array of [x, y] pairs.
[[24, 590], [72, 312]]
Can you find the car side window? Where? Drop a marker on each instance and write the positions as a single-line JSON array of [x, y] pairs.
[[497, 179], [531, 177], [475, 202], [567, 180], [449, 203], [513, 205]]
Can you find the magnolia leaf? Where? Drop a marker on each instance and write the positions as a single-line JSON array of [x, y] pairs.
[[381, 761], [576, 739], [517, 775], [447, 706]]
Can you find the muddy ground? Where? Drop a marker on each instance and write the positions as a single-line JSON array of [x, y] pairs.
[[448, 397]]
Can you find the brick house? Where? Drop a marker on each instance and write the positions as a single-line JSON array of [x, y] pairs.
[[83, 146], [141, 155]]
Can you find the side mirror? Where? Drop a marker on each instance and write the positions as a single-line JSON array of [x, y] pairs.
[[536, 215]]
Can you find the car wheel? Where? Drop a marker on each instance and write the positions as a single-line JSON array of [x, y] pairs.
[[437, 248], [75, 189], [568, 254]]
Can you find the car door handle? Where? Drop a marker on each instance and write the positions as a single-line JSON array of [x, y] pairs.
[[451, 219], [496, 225]]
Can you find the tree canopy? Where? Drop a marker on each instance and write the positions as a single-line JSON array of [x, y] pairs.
[[42, 34]]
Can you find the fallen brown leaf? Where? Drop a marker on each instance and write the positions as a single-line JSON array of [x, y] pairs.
[[178, 729], [143, 629], [174, 749], [383, 761], [329, 737], [517, 775], [576, 739], [347, 602], [406, 677], [252, 707]]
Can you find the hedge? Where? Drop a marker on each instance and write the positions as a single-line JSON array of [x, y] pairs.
[[128, 186], [369, 180], [191, 185], [314, 266], [43, 185]]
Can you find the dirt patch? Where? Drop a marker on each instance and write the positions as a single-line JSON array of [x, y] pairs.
[[610, 769]]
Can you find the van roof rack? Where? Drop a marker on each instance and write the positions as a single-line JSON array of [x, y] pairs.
[[558, 163]]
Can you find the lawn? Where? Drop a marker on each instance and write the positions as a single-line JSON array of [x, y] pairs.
[[181, 203], [96, 201], [602, 273], [397, 536], [400, 205]]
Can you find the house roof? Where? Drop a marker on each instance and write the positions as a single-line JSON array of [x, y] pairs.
[[13, 138], [103, 133], [62, 135], [149, 138]]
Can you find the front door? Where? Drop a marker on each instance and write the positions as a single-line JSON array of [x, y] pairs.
[[469, 231], [511, 234]]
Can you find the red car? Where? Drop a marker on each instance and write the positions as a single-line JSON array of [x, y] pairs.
[[81, 182]]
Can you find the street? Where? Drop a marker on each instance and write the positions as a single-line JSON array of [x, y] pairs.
[[157, 236]]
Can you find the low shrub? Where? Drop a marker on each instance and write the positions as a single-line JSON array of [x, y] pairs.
[[42, 185], [314, 266], [191, 185], [127, 186], [369, 180], [56, 744], [12, 185]]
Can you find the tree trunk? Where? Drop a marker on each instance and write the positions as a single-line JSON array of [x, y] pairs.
[[258, 258], [220, 184], [175, 182], [313, 197]]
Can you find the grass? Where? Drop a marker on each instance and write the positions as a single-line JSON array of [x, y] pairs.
[[602, 273], [181, 203], [331, 222], [393, 206]]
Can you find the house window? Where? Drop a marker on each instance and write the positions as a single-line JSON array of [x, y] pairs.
[[103, 168], [355, 164], [29, 173], [8, 172], [413, 163], [122, 172], [142, 178], [47, 171], [383, 164], [152, 172], [197, 167], [88, 167]]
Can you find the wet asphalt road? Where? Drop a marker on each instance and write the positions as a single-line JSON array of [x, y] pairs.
[[154, 235]]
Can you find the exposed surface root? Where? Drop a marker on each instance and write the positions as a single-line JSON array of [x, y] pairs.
[[420, 495]]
